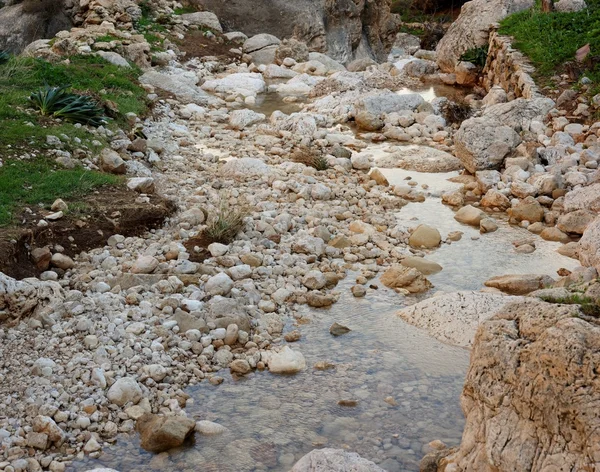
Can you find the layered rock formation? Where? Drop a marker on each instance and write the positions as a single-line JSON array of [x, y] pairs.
[[23, 23], [344, 29], [531, 393]]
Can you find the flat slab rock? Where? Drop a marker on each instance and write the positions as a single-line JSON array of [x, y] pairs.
[[420, 159], [454, 317], [334, 460]]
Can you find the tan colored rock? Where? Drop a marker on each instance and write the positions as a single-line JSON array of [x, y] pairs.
[[469, 215], [406, 278], [589, 246], [528, 209], [422, 265], [531, 393], [159, 433], [554, 234], [488, 225], [378, 177], [519, 284], [575, 222], [425, 236]]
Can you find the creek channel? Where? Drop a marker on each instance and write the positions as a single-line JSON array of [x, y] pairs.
[[406, 384]]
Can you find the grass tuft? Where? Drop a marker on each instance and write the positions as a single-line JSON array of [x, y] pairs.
[[227, 220], [311, 158]]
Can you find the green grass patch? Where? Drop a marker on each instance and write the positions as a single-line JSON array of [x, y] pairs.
[[23, 128], [40, 182], [551, 39], [106, 39], [184, 10], [587, 305]]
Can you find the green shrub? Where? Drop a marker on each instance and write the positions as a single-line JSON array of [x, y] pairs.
[[477, 56], [59, 103]]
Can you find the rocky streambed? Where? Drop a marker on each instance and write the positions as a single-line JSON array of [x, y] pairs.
[[355, 198]]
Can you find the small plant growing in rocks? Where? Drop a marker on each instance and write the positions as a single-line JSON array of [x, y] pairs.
[[477, 56], [227, 220], [311, 158], [456, 112]]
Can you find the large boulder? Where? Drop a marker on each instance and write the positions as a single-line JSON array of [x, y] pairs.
[[26, 22], [454, 318], [28, 297], [420, 159], [406, 278], [530, 397], [160, 433], [343, 29], [583, 198], [519, 113], [472, 27], [370, 110], [204, 19], [483, 143], [183, 86], [589, 246], [334, 460], [244, 83], [519, 284]]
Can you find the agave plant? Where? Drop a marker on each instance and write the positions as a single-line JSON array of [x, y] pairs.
[[58, 102], [4, 57]]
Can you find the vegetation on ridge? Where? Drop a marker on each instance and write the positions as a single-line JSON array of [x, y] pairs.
[[550, 40]]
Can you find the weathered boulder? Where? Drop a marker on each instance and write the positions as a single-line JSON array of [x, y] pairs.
[[423, 265], [125, 390], [455, 317], [371, 109], [469, 215], [28, 297], [343, 29], [530, 394], [519, 113], [243, 83], [204, 19], [589, 245], [407, 278], [334, 460], [425, 236], [420, 159], [244, 168], [483, 143], [528, 209], [583, 198], [182, 86], [159, 433], [241, 119], [24, 23], [568, 6], [284, 361], [519, 284], [471, 28]]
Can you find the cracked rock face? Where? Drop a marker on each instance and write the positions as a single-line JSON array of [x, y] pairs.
[[531, 393], [344, 29]]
